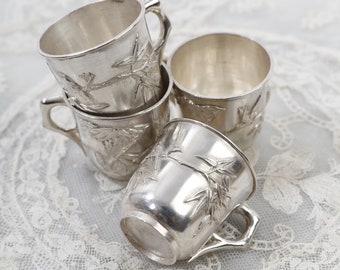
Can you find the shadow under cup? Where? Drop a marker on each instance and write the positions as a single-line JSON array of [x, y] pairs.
[[221, 80]]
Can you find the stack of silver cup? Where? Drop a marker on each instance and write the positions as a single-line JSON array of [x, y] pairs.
[[185, 176], [112, 79]]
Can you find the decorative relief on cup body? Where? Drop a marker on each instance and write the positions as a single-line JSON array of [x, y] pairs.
[[212, 200], [202, 112], [115, 152], [137, 67], [250, 117]]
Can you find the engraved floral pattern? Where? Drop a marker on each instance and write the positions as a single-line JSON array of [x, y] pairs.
[[219, 174], [115, 144], [213, 199], [137, 66], [151, 164], [250, 117], [201, 112]]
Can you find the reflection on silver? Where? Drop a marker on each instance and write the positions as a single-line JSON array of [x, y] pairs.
[[106, 63], [115, 145], [221, 80], [183, 190]]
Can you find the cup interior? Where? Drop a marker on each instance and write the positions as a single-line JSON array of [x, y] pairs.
[[89, 26], [219, 65]]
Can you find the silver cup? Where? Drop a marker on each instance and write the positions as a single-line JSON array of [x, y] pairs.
[[221, 79], [114, 145], [103, 57], [182, 192]]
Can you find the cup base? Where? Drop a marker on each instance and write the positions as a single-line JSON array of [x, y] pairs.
[[149, 237]]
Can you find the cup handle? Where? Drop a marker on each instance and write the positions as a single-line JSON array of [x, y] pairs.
[[216, 242], [46, 106], [154, 6]]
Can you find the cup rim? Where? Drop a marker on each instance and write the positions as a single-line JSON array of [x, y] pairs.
[[257, 87], [126, 116], [225, 138], [93, 48]]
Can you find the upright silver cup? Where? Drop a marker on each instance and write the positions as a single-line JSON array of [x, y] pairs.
[[114, 145], [182, 192], [103, 57], [221, 79]]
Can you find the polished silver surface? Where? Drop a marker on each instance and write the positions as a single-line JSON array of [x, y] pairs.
[[184, 189], [103, 57], [114, 145], [221, 79]]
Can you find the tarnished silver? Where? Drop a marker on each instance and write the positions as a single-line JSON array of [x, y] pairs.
[[221, 79], [182, 192], [115, 145], [103, 57]]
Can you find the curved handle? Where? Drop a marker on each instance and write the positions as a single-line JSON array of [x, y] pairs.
[[154, 7], [218, 243], [46, 106]]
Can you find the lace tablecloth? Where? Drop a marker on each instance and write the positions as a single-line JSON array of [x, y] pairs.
[[56, 213]]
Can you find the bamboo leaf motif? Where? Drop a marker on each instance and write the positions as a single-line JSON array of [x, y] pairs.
[[224, 167], [175, 150], [134, 58], [205, 113], [76, 91], [152, 163], [90, 108], [249, 117], [139, 64], [88, 77], [124, 163], [202, 200], [137, 67], [116, 165], [208, 161], [116, 142], [211, 200]]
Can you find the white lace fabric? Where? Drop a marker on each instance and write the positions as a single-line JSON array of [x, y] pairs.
[[57, 213]]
